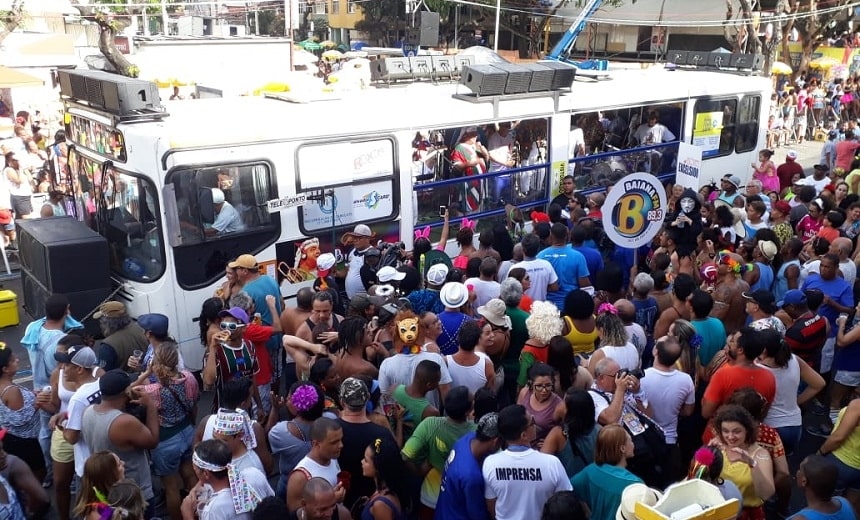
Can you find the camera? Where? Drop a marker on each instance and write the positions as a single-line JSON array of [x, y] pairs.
[[638, 373]]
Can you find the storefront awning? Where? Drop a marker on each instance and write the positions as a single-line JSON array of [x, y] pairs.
[[11, 78]]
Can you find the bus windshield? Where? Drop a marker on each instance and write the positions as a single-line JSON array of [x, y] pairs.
[[122, 207]]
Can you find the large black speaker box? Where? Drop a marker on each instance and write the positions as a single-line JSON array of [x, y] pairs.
[[519, 77], [426, 32], [112, 92], [81, 303], [484, 80], [63, 254]]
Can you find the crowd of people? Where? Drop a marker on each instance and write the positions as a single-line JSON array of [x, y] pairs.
[[541, 372]]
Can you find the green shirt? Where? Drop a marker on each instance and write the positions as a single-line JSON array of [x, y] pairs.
[[519, 336], [432, 441], [414, 407], [601, 486]]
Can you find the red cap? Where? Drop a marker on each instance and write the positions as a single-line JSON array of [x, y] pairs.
[[782, 206], [539, 216]]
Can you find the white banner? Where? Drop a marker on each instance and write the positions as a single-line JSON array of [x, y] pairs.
[[689, 166]]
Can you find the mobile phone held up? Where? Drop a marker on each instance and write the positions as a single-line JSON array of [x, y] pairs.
[[442, 210]]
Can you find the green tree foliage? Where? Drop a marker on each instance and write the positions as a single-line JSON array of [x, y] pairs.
[[11, 18]]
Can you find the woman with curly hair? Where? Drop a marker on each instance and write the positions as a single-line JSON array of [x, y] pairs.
[[746, 463], [382, 463], [466, 241], [614, 343], [542, 325]]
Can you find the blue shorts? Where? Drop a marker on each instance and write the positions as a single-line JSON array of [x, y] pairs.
[[170, 453], [849, 478]]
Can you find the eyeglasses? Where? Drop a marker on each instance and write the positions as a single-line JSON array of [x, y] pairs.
[[230, 325], [610, 375], [545, 386]]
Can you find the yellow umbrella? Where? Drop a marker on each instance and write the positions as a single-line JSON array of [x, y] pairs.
[[328, 44], [332, 55], [824, 62], [779, 67]]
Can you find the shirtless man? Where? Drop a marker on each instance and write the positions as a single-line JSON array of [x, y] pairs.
[[729, 303], [293, 317]]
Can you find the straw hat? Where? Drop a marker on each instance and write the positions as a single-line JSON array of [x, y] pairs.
[[631, 495]]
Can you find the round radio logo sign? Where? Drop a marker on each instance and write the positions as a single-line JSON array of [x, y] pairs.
[[634, 210]]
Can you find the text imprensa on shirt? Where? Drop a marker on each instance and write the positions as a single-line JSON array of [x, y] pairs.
[[522, 482]]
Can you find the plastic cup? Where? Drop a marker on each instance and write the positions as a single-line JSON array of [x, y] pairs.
[[47, 389], [138, 354]]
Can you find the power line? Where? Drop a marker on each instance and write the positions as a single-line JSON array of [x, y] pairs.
[[597, 19]]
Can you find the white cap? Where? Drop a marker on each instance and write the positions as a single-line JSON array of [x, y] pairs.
[[437, 273], [217, 196], [388, 273]]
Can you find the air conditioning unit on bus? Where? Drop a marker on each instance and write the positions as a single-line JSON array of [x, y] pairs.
[[113, 93]]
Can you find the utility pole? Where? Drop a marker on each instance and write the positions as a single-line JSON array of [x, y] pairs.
[[288, 30]]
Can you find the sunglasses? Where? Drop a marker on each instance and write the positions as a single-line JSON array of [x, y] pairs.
[[231, 326]]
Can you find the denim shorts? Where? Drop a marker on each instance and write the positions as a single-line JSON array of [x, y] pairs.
[[170, 453], [849, 478]]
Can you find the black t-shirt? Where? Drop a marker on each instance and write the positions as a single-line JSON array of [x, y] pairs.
[[356, 439]]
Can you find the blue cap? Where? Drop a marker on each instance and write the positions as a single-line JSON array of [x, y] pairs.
[[793, 297], [154, 323]]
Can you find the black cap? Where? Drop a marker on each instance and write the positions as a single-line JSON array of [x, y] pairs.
[[114, 383]]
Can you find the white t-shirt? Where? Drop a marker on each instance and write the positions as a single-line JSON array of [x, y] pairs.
[[849, 271], [636, 335], [84, 396], [220, 505], [485, 290], [653, 134], [667, 392], [500, 150], [541, 274], [577, 141], [399, 369], [522, 482], [818, 184]]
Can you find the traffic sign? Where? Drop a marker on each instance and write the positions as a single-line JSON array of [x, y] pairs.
[[410, 49]]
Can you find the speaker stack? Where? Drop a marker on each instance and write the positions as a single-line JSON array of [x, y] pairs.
[[508, 78], [110, 92], [63, 255]]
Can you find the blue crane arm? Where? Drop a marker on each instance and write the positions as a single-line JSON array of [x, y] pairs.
[[560, 51]]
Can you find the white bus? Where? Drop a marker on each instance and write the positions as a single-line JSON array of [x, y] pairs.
[[377, 157]]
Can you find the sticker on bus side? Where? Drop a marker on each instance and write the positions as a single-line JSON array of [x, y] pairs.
[[277, 205]]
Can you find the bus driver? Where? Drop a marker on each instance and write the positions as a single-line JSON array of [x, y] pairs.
[[227, 219]]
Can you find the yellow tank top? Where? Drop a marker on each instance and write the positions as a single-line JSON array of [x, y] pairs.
[[849, 452], [741, 475], [582, 342]]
